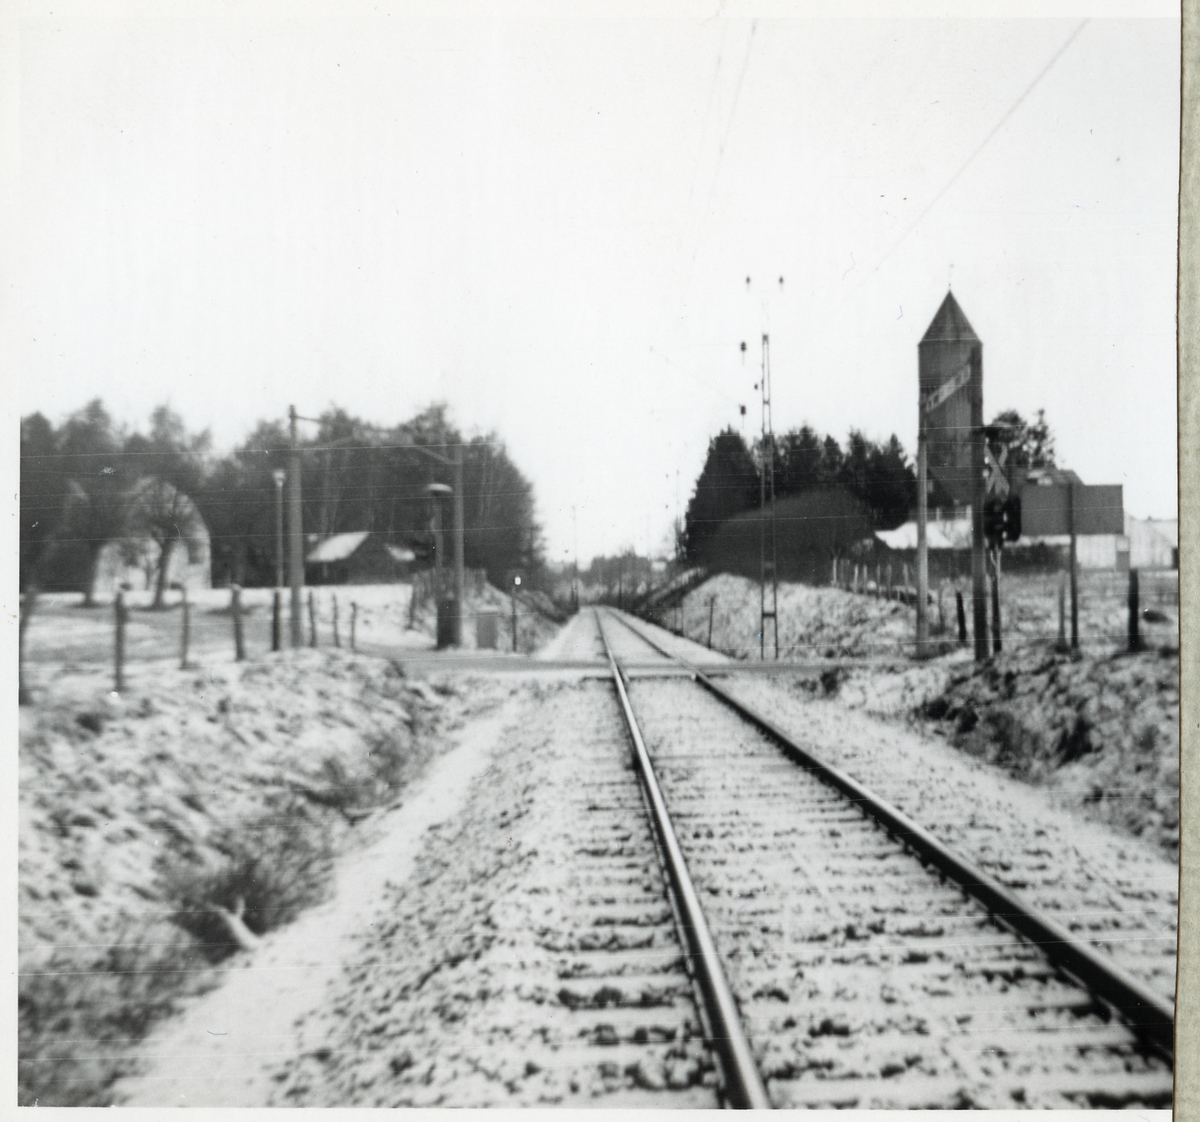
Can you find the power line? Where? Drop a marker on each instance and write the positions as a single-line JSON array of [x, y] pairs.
[[983, 144]]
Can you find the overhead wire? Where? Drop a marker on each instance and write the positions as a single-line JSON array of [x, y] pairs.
[[979, 148]]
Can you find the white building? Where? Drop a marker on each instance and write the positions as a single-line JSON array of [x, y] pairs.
[[1153, 542]]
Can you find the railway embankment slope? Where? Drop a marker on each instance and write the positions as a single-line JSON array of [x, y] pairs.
[[166, 829], [1098, 728]]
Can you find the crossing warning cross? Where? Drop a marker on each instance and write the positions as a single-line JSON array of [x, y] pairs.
[[995, 478]]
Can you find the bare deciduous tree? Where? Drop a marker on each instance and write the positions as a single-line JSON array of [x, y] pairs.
[[158, 510]]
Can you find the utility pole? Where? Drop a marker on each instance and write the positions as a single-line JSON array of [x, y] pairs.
[[295, 533], [766, 539], [460, 587], [922, 539], [296, 538], [1073, 561], [280, 477], [978, 496]]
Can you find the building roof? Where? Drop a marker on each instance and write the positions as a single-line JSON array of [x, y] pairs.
[[337, 547], [950, 325], [947, 534], [1044, 477]]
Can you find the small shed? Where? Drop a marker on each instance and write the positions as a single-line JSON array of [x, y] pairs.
[[812, 527], [1153, 542], [361, 557], [947, 539]]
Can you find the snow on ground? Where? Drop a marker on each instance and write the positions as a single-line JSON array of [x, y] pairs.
[[480, 989], [813, 622], [1102, 733], [232, 1035], [832, 623], [143, 815], [578, 641], [469, 975], [387, 623], [1029, 608], [1099, 727], [379, 618], [1120, 891]]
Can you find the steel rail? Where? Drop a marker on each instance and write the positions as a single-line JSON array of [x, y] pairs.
[[744, 1087], [1145, 1012]]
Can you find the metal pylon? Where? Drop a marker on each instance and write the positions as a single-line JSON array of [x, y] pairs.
[[766, 537]]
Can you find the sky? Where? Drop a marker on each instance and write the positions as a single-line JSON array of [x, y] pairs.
[[548, 223]]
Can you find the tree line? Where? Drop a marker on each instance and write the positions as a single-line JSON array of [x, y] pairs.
[[90, 481], [877, 475]]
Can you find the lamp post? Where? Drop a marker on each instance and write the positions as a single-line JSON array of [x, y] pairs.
[[437, 492], [279, 475], [454, 462], [296, 541], [575, 565]]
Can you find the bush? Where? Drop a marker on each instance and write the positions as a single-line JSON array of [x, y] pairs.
[[79, 1012], [268, 871]]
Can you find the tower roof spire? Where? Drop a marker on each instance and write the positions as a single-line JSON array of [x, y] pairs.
[[950, 325]]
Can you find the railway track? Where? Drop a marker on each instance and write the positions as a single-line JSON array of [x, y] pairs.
[[843, 955]]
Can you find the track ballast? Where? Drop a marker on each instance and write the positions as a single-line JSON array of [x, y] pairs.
[[865, 975]]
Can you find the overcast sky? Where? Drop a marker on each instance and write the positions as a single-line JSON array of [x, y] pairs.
[[548, 223]]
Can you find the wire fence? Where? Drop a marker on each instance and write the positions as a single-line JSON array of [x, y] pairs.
[[129, 636], [874, 616]]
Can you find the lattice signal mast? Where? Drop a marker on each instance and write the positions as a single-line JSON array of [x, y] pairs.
[[768, 580]]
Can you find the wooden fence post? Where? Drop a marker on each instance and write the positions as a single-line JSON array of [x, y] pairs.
[[312, 619], [962, 616], [235, 606], [337, 638], [1135, 639], [353, 622], [277, 620], [1062, 645], [187, 628], [996, 601], [119, 643], [712, 600]]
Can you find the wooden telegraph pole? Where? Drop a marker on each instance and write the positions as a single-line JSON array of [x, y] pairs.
[[460, 584], [295, 533], [1073, 561], [979, 494], [922, 542]]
